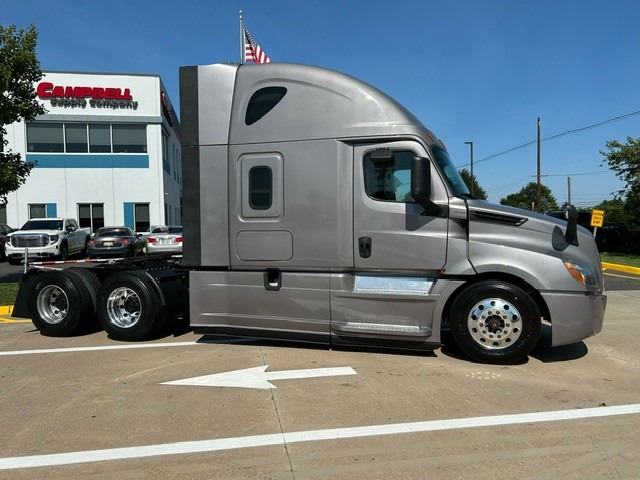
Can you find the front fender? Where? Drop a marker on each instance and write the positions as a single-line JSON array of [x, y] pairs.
[[543, 271]]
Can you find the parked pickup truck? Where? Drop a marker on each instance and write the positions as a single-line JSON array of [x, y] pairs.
[[47, 238]]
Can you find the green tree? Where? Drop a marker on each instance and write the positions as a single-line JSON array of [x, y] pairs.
[[526, 197], [624, 160], [19, 69], [477, 190]]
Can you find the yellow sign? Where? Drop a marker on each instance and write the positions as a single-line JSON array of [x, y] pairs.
[[597, 216]]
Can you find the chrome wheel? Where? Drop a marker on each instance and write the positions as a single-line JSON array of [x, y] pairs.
[[124, 307], [52, 304], [494, 323]]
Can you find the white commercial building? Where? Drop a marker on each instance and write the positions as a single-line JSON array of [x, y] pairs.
[[107, 152]]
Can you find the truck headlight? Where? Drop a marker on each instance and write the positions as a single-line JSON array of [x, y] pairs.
[[53, 238], [583, 274]]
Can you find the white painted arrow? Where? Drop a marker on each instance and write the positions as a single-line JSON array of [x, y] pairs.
[[258, 377]]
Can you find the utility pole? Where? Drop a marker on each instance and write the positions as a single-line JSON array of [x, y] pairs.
[[538, 194], [472, 179], [569, 190]]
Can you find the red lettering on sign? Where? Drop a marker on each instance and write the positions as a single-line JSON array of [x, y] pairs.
[[44, 89], [48, 90], [71, 92]]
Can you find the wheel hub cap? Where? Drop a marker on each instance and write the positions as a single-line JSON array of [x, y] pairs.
[[494, 323], [123, 307], [52, 304]]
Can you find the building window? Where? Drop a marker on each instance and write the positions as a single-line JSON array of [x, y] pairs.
[[165, 153], [72, 138], [3, 213], [136, 216], [91, 215], [37, 210], [129, 138], [75, 135], [387, 175], [262, 102], [99, 138], [142, 216], [260, 188], [45, 137]]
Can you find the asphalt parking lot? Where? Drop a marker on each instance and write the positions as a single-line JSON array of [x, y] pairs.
[[89, 407]]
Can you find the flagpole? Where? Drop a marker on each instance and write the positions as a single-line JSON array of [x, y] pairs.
[[241, 40]]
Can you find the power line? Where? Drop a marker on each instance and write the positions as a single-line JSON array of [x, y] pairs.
[[512, 184], [529, 177], [574, 174], [559, 135]]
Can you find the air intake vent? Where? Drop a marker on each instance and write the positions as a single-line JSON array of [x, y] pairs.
[[497, 218]]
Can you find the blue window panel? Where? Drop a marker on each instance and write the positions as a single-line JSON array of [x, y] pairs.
[[51, 210], [88, 161], [129, 216]]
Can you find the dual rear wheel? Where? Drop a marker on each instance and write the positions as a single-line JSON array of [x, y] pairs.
[[127, 305]]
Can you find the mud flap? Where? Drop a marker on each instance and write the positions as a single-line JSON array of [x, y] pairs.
[[21, 307]]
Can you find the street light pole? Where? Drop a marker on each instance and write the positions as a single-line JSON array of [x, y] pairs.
[[472, 180], [539, 188]]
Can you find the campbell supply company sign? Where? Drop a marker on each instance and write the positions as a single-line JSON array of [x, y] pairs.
[[80, 96]]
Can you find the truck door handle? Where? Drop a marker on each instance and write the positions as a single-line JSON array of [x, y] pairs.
[[272, 279], [364, 243]]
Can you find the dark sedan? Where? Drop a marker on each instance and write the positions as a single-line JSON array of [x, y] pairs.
[[114, 241]]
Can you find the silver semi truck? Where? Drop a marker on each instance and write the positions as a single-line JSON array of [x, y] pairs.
[[316, 208]]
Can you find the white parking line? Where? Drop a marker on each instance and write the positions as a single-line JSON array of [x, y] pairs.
[[205, 340], [98, 348], [276, 439]]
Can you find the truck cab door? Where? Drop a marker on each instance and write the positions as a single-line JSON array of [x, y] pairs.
[[392, 233], [73, 237], [398, 251]]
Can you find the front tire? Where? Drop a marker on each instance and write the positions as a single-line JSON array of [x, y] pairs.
[[495, 322], [129, 307], [64, 252]]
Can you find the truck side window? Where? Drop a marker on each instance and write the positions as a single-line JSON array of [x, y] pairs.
[[262, 102], [260, 188], [389, 180]]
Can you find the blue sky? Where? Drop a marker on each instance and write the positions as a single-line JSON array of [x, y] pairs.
[[480, 71]]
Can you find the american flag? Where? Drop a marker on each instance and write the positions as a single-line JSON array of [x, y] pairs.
[[252, 51]]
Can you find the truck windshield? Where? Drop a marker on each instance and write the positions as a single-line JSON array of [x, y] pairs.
[[42, 225], [453, 178]]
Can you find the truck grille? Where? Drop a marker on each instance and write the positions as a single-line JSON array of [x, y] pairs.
[[29, 240]]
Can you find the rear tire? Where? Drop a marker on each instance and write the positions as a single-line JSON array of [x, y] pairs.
[[129, 307], [495, 322], [85, 250], [64, 252], [58, 304], [92, 284]]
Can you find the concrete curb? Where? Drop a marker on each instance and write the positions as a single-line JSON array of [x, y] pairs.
[[620, 268], [6, 310]]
